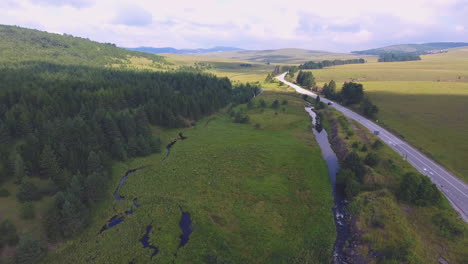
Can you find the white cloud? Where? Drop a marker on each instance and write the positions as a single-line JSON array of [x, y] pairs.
[[329, 25]]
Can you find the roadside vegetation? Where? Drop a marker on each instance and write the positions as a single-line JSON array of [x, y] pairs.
[[398, 214]]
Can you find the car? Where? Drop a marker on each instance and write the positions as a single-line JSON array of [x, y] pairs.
[[329, 103]]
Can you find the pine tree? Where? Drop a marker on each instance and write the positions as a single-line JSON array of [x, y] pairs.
[[94, 163], [49, 166], [19, 168], [8, 234], [5, 137], [29, 251]]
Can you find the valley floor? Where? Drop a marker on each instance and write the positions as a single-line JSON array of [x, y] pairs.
[[257, 193]]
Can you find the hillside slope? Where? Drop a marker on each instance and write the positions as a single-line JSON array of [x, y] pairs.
[[20, 44], [412, 48]]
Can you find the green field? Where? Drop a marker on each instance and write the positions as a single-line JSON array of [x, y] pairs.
[[282, 55], [423, 101], [257, 193]]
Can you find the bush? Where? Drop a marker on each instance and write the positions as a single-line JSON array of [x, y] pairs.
[[28, 211], [377, 144], [4, 193], [364, 148], [8, 235], [284, 102], [275, 104], [355, 145], [372, 159], [28, 192], [352, 188], [447, 226], [354, 163], [419, 190], [29, 251]]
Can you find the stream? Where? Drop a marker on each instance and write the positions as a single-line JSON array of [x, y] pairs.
[[339, 209], [185, 223]]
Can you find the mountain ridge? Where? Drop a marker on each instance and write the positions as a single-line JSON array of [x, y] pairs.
[[420, 49]]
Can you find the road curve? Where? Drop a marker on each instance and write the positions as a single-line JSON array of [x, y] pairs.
[[454, 189]]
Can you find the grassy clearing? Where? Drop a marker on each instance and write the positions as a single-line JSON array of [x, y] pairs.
[[10, 209], [256, 195], [389, 228]]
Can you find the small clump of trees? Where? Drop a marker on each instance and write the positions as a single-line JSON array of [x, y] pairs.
[[306, 79], [328, 63], [351, 93], [389, 57]]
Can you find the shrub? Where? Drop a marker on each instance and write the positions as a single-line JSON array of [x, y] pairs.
[[377, 144], [355, 145], [364, 148], [28, 192], [352, 188], [419, 190], [372, 159], [8, 235], [275, 104], [447, 226], [354, 163], [29, 251]]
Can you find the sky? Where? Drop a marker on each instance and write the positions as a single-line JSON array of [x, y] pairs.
[[332, 25]]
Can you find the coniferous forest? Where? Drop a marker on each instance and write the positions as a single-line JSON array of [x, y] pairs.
[[66, 124]]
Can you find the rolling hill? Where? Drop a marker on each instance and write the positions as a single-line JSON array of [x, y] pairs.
[[424, 48], [181, 51], [20, 44]]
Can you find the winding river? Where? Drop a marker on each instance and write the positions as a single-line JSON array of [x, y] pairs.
[[339, 209]]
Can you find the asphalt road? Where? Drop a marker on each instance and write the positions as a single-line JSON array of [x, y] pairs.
[[454, 189]]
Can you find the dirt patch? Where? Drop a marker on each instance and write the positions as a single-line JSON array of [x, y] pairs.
[[217, 220]]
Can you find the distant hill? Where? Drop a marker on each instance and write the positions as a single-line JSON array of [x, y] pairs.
[[181, 51], [21, 44], [281, 55], [420, 49]]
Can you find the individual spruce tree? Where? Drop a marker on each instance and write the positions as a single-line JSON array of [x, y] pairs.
[[94, 163], [5, 137], [74, 215], [19, 168], [29, 251], [77, 187], [8, 234], [49, 167]]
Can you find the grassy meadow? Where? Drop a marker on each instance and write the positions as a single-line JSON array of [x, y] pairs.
[[257, 193], [424, 101]]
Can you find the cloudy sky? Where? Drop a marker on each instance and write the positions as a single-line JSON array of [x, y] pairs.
[[335, 25]]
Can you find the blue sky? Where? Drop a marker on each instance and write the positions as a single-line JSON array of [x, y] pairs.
[[333, 25]]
